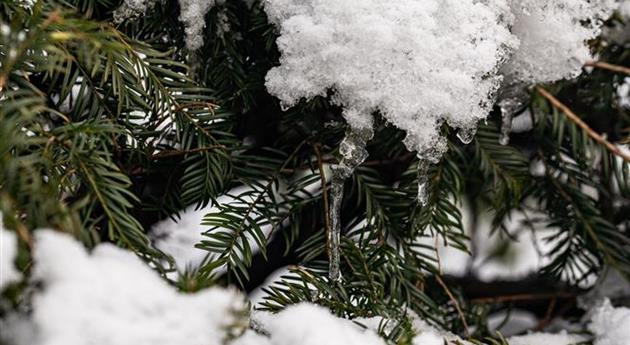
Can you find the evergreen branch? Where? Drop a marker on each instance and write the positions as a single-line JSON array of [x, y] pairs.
[[578, 121]]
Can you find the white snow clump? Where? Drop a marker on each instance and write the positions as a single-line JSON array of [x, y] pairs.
[[8, 253], [420, 63], [192, 14], [110, 297], [132, 9], [611, 326], [553, 36]]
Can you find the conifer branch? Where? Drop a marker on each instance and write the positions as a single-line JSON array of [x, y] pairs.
[[580, 123]]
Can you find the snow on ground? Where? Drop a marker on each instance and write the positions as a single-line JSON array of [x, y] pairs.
[[111, 297], [8, 253]]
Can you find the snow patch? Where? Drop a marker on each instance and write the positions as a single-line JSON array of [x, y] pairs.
[[611, 326], [8, 254], [111, 297]]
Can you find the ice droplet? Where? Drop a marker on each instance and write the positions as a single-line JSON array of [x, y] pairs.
[[353, 153], [423, 180], [511, 100], [466, 135]]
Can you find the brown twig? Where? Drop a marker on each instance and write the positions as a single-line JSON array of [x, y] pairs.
[[454, 300], [578, 121], [522, 297], [608, 66]]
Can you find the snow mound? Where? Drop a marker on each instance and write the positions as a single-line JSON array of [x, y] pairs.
[[611, 326], [310, 324], [419, 63], [8, 253], [111, 297]]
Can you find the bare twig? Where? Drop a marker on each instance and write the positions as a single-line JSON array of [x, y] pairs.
[[523, 297], [608, 66], [454, 300], [578, 121]]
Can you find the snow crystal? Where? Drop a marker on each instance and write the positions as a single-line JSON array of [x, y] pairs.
[[611, 326], [111, 297], [8, 246], [309, 324], [419, 63], [546, 339]]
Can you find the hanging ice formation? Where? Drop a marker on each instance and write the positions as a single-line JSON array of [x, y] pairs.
[[353, 153]]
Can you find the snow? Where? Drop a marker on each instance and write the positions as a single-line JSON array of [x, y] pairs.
[[546, 339], [611, 326], [309, 324], [623, 93], [553, 36], [419, 63], [111, 297], [132, 8], [192, 14], [422, 63], [8, 253], [178, 237]]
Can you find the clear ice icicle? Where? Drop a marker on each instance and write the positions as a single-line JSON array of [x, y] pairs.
[[466, 135], [423, 180], [353, 153], [510, 102]]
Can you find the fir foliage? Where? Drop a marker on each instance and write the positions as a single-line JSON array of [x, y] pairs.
[[106, 128]]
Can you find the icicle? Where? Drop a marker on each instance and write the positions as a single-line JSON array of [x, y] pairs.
[[423, 180], [512, 100], [353, 153]]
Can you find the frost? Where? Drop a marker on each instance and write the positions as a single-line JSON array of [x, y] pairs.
[[111, 297], [610, 325], [419, 63], [8, 253]]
